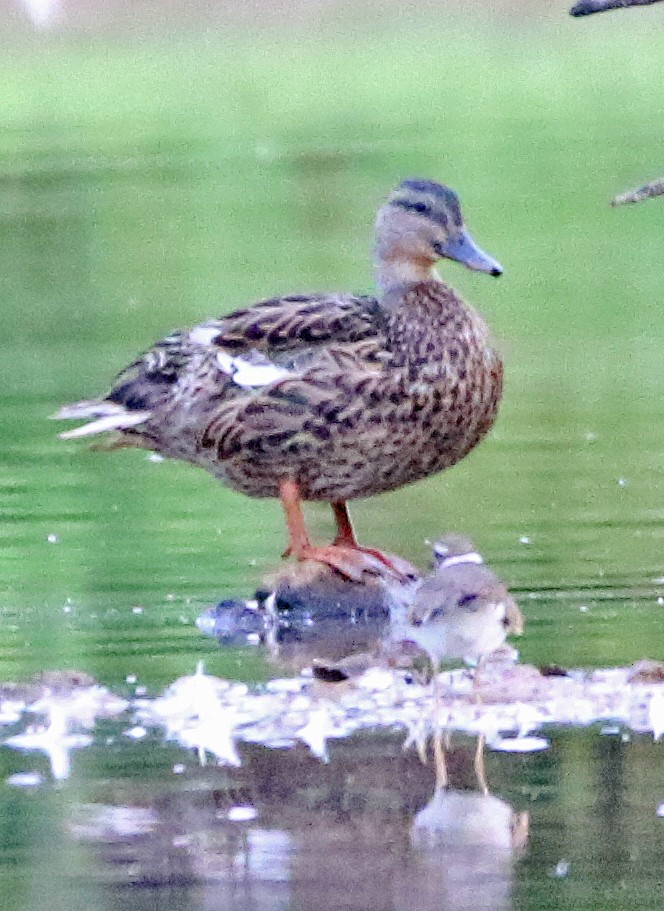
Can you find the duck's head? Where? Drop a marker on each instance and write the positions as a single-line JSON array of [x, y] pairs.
[[420, 223]]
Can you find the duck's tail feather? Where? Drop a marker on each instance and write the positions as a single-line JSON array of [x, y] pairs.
[[108, 416]]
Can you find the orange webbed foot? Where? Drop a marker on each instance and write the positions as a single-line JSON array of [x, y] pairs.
[[356, 562]]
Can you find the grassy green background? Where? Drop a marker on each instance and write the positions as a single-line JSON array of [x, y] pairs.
[[149, 182]]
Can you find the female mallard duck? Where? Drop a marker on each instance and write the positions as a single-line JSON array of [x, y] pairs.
[[326, 396]]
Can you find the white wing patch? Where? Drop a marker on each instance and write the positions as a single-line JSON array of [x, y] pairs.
[[204, 334], [251, 371]]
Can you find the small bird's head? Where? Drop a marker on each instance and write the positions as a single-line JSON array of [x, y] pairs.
[[420, 223], [453, 549]]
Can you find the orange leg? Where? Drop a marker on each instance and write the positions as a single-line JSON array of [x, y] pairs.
[[298, 539], [344, 554], [345, 533], [346, 538]]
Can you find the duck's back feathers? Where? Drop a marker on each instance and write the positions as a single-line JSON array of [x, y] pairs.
[[298, 321], [348, 396], [236, 355]]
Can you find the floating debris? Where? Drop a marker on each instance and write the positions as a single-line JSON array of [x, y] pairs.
[[69, 702], [656, 715], [520, 744], [561, 869], [646, 671], [25, 780], [11, 710], [81, 706], [199, 711], [553, 670], [510, 703], [242, 814], [515, 702], [53, 739]]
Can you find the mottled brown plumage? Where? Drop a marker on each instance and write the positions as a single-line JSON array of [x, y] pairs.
[[331, 396]]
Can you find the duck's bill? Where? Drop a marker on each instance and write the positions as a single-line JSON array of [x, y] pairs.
[[464, 250]]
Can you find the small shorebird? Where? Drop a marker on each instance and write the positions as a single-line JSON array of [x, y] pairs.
[[462, 611]]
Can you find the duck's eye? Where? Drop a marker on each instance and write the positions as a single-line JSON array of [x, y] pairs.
[[420, 207], [465, 600]]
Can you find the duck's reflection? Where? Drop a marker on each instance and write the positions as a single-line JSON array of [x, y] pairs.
[[309, 613], [286, 831]]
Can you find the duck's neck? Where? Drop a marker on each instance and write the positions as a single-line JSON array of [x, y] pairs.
[[392, 274]]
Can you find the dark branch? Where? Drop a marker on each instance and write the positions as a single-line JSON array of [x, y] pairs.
[[654, 188], [588, 7]]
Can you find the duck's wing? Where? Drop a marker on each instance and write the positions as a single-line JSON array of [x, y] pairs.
[[302, 410], [295, 323], [238, 355]]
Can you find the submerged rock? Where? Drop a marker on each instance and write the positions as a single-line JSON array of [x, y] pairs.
[[308, 612], [646, 671]]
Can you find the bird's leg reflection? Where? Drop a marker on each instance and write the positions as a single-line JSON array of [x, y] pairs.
[[478, 764], [440, 765], [441, 737]]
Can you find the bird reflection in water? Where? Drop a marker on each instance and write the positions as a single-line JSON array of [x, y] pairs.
[[370, 831], [466, 844]]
